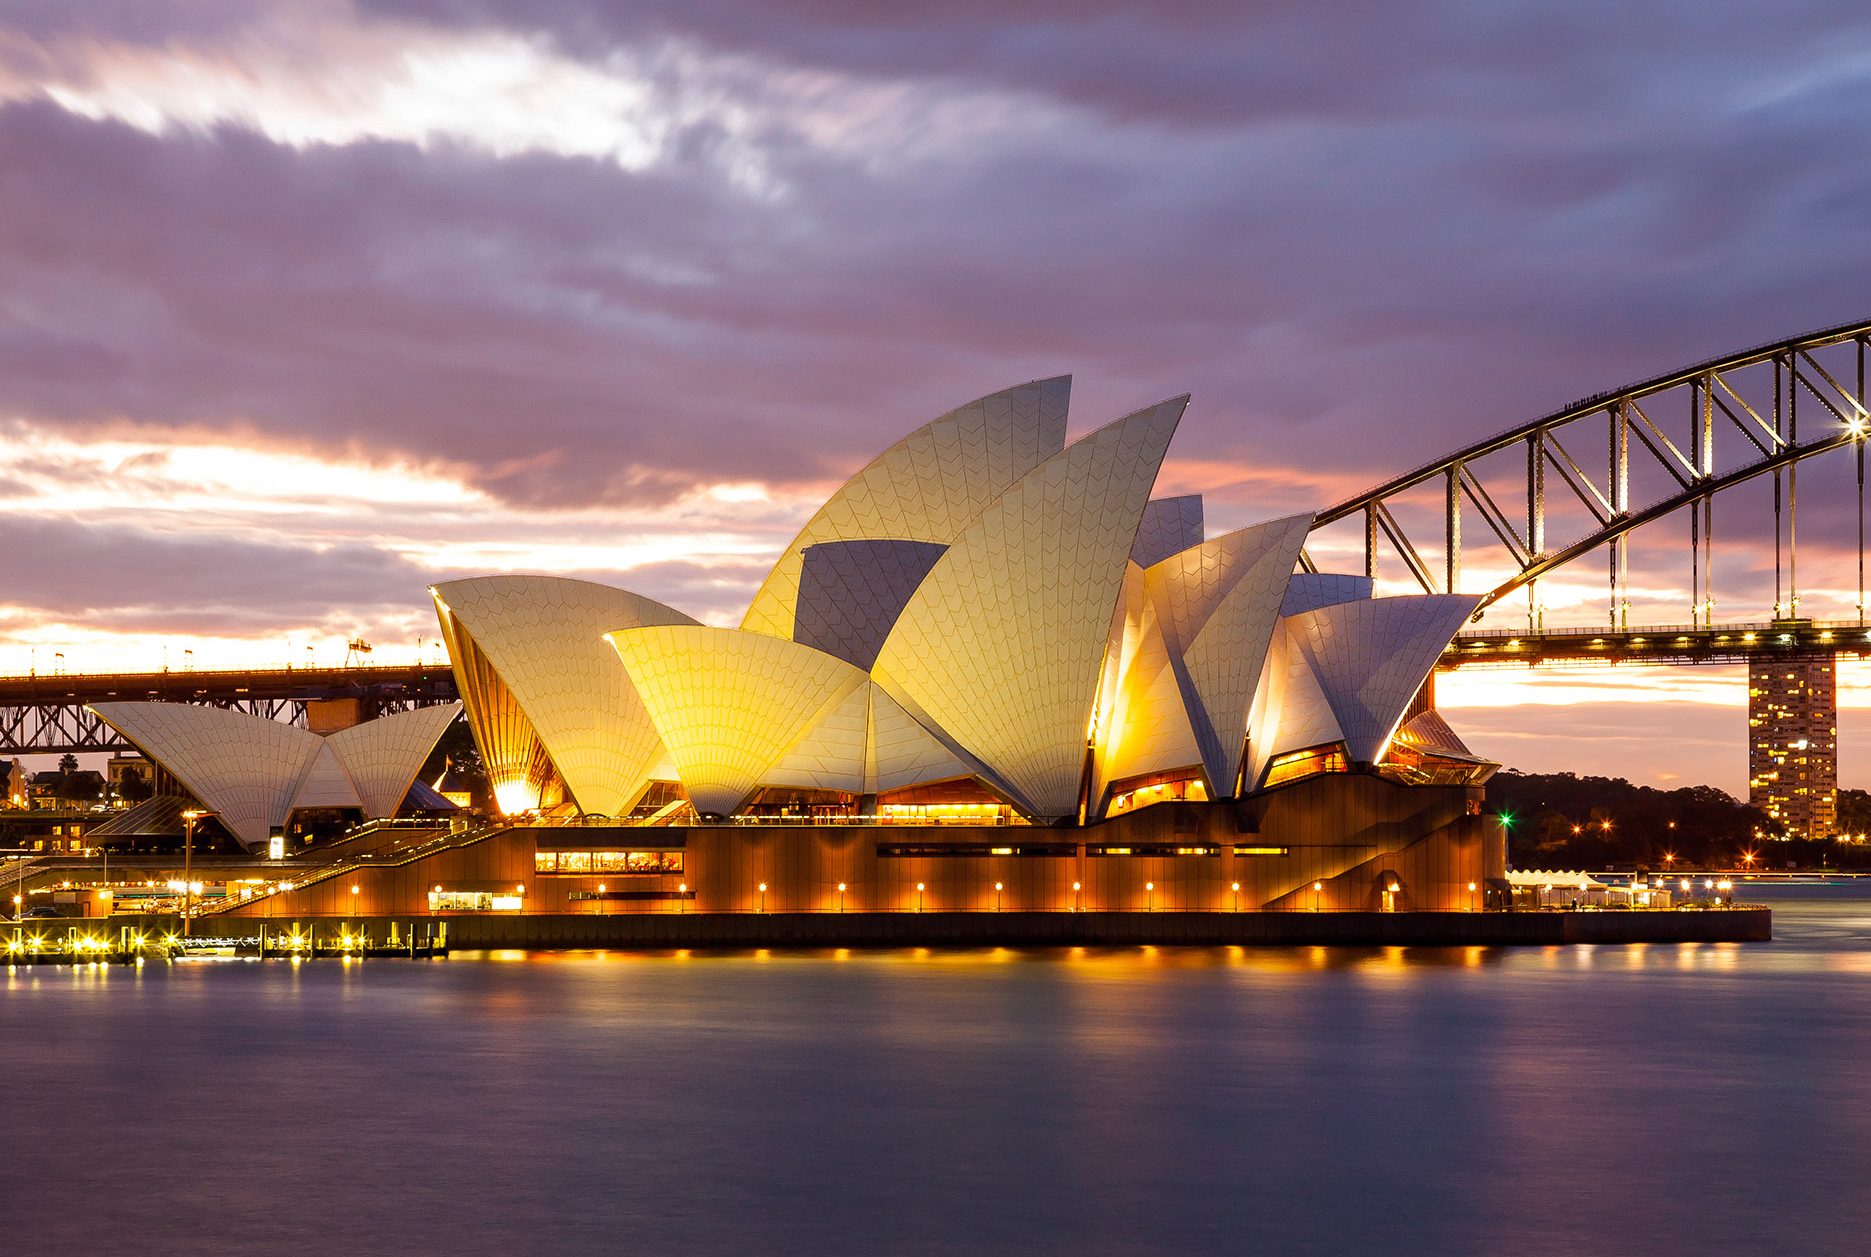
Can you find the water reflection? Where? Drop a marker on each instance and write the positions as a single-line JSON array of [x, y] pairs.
[[1607, 1099]]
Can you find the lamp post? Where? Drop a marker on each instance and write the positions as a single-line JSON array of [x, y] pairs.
[[919, 896], [763, 896], [1149, 891], [1235, 890], [1077, 899], [997, 896], [189, 817], [1471, 896], [841, 896], [1318, 889]]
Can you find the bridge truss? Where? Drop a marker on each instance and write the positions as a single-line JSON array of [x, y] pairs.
[[46, 714], [1772, 408]]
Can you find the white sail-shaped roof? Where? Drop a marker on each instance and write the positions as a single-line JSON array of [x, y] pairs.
[[926, 487], [1290, 709], [1372, 656], [383, 756], [1141, 726], [1217, 604], [326, 784], [1000, 648], [903, 753], [831, 754], [254, 773], [244, 768], [542, 638], [730, 704]]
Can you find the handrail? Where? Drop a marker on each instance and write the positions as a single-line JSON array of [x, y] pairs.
[[1661, 630]]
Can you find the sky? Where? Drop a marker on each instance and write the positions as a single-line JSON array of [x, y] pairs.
[[309, 304]]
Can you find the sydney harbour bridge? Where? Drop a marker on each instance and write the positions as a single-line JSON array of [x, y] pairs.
[[1628, 480]]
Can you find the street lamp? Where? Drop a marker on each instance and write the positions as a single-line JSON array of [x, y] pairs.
[[189, 817], [1237, 896], [1149, 890], [1077, 901], [1471, 896], [763, 896], [997, 896], [1318, 889], [919, 896], [841, 896]]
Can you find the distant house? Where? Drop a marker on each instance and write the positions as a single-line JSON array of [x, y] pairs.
[[54, 789]]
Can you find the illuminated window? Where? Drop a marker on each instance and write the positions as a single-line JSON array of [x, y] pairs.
[[1138, 792], [1307, 763], [588, 862], [473, 901]]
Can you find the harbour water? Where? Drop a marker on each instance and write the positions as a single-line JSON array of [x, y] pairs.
[[1707, 1098]]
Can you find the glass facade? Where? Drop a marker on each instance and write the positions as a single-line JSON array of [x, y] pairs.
[[587, 862]]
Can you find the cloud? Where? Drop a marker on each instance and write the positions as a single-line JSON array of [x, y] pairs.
[[622, 290]]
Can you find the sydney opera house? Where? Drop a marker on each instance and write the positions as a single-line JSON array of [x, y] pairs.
[[992, 671]]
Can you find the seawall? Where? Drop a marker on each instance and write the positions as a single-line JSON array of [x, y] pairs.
[[1035, 929]]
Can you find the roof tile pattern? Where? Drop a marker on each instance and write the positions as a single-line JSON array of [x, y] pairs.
[[1168, 525], [253, 773], [383, 756], [325, 783], [926, 487], [903, 753], [1308, 591], [831, 754], [243, 767], [1217, 603], [851, 592], [1371, 657], [730, 704], [544, 638], [1003, 644], [1290, 710]]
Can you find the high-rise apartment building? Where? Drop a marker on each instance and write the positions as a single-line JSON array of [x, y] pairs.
[[1793, 773]]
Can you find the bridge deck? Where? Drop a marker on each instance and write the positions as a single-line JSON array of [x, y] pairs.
[[1654, 644]]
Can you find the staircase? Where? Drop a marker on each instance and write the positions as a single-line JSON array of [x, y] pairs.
[[392, 856]]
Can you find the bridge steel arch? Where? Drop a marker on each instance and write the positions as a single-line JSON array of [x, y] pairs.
[[1767, 433]]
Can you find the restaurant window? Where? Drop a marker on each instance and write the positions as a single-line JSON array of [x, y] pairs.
[[589, 862], [1307, 763]]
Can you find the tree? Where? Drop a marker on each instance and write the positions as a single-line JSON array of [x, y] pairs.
[[133, 787], [67, 764], [80, 787]]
